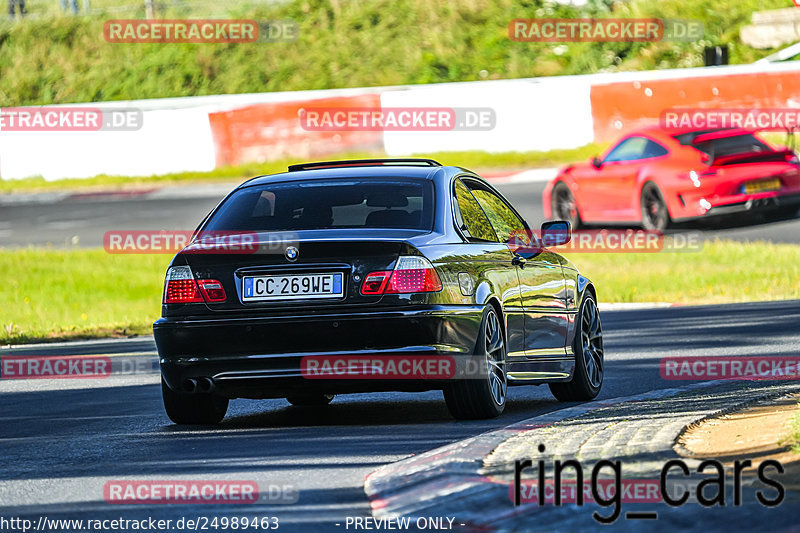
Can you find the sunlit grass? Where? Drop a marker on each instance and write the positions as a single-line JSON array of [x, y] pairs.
[[79, 293], [723, 271], [795, 435]]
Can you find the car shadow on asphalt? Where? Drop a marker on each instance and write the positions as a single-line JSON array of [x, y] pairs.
[[402, 409]]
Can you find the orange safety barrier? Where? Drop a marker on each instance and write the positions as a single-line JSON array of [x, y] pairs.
[[620, 107], [266, 132]]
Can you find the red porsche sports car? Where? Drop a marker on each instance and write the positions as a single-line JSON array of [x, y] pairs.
[[654, 176]]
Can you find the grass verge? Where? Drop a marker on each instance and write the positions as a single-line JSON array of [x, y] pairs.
[[77, 294], [474, 160], [54, 294], [723, 272]]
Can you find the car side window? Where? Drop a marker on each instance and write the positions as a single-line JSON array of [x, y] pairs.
[[630, 149], [503, 219], [653, 149], [477, 225]]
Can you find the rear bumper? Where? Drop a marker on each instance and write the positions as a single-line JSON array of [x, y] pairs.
[[740, 203], [260, 357], [757, 203]]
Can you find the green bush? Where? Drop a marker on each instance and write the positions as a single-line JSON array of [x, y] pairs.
[[50, 58]]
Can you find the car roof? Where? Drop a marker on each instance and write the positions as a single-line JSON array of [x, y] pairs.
[[359, 171], [668, 134], [661, 132]]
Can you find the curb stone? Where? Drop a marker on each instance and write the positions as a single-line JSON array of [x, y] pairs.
[[470, 480]]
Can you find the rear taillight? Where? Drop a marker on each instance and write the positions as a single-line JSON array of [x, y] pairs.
[[411, 274], [375, 282], [212, 290], [180, 287]]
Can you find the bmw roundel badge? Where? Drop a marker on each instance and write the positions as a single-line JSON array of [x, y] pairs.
[[291, 253]]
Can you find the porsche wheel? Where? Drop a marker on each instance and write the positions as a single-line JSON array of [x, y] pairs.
[[563, 205], [654, 210]]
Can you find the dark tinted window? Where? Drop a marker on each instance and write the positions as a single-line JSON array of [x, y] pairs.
[[503, 219], [328, 204], [653, 149], [477, 225], [635, 148], [737, 144]]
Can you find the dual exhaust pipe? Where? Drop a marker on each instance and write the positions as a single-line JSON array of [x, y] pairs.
[[760, 203], [199, 385]]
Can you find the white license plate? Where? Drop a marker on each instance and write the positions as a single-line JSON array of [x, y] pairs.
[[292, 287]]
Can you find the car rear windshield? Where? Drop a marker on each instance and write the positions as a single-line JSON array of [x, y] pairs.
[[737, 144], [328, 204]]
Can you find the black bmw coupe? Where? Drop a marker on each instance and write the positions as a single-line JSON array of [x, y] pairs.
[[373, 275]]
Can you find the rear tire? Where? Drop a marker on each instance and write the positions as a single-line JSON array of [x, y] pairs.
[[197, 408], [587, 380], [475, 398], [655, 215], [311, 399], [563, 205]]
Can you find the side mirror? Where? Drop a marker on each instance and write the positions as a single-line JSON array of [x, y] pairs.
[[596, 162], [556, 233]]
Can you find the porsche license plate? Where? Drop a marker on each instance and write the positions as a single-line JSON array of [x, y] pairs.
[[752, 187]]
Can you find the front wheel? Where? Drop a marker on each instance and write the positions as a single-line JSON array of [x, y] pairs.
[[589, 360], [197, 408], [484, 396]]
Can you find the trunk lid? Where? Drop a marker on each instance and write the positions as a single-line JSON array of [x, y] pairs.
[[349, 255]]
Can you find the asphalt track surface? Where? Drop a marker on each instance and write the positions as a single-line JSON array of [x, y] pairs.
[[61, 440], [84, 220]]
